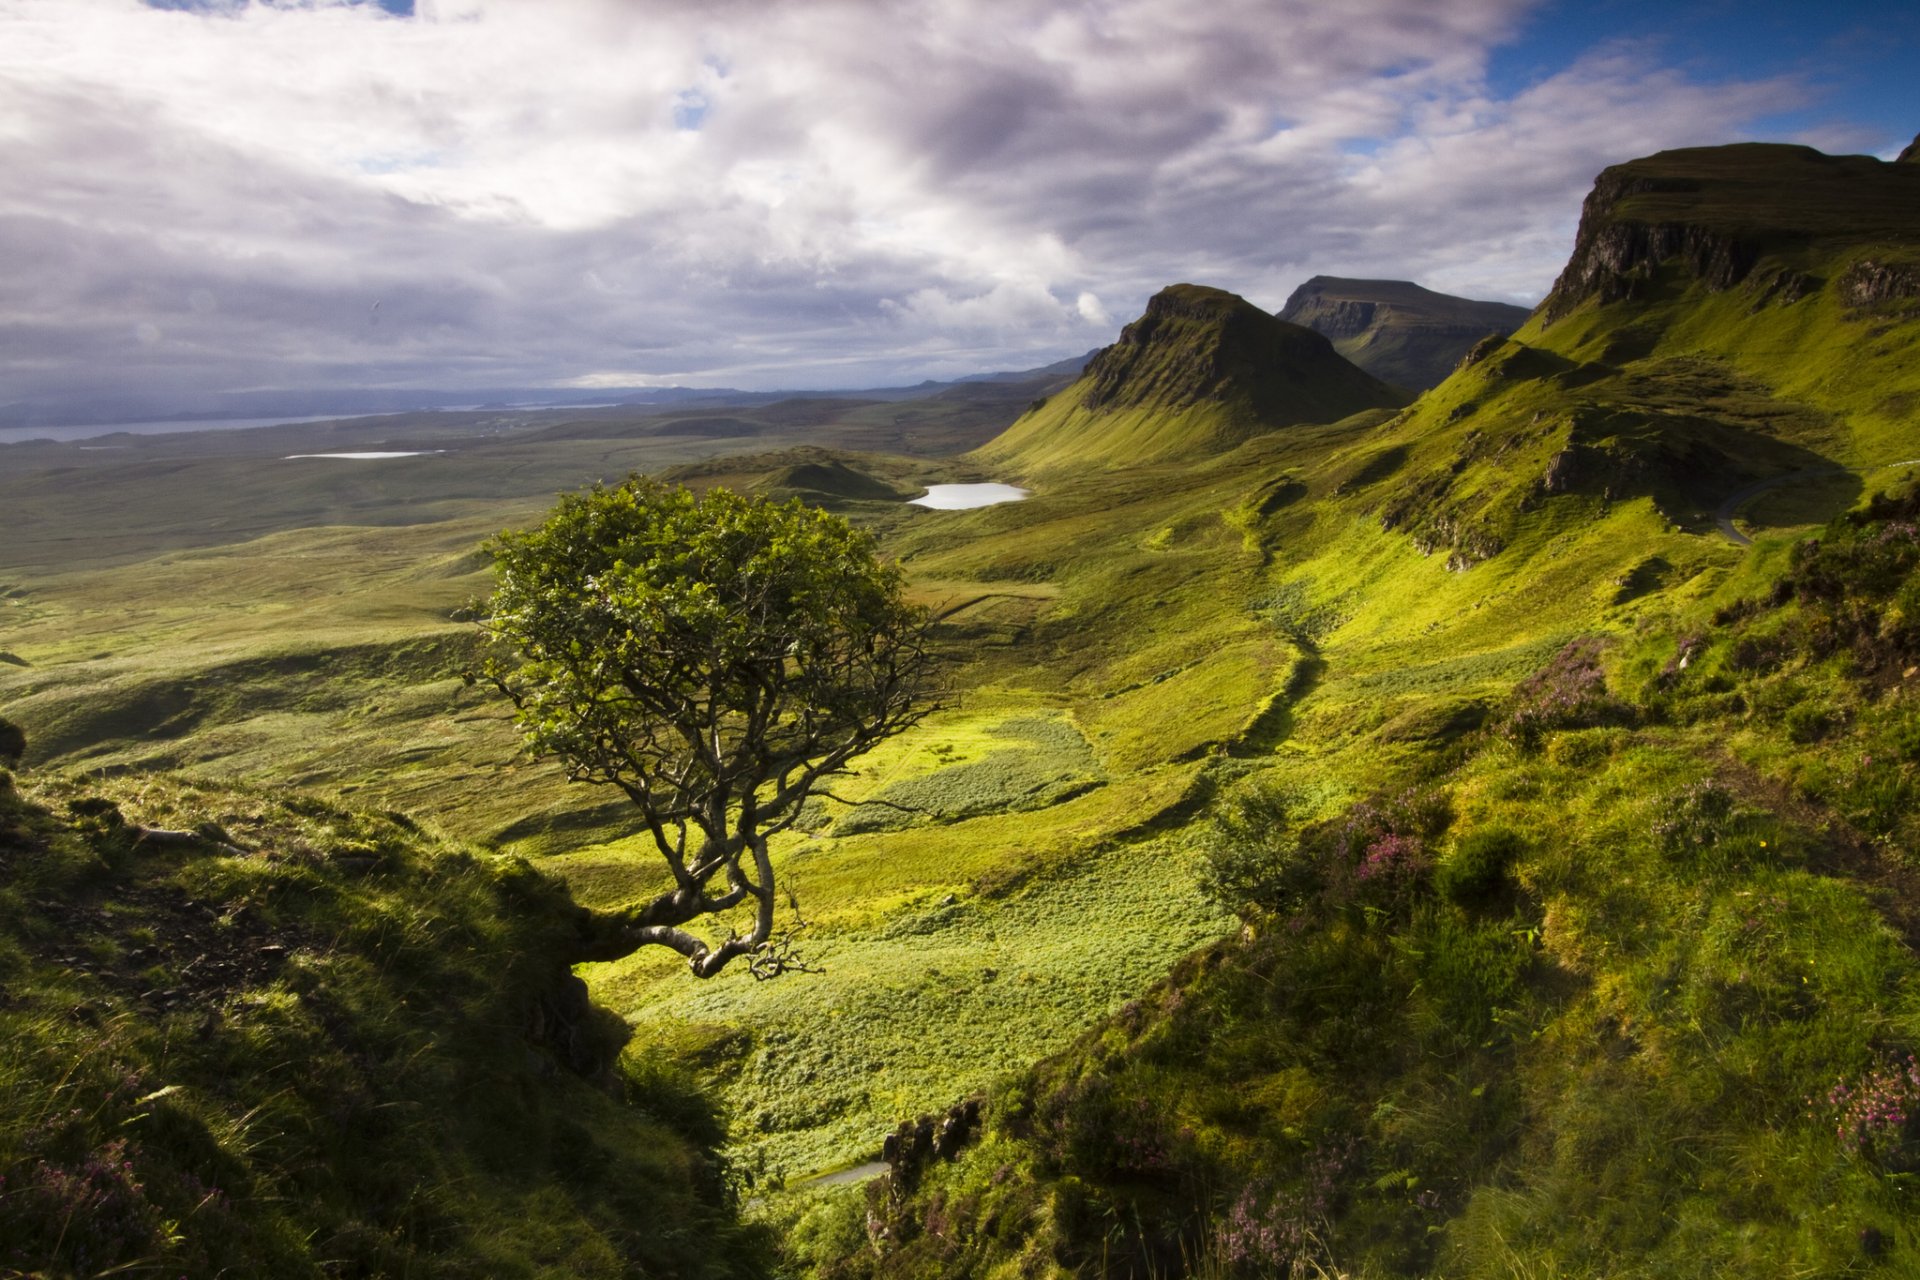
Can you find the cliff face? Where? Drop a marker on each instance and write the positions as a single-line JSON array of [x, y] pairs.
[[1396, 330], [1767, 216], [1195, 345]]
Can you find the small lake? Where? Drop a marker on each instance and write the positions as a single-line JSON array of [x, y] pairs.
[[958, 497]]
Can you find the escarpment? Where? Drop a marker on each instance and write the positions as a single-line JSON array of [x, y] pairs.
[[1766, 216]]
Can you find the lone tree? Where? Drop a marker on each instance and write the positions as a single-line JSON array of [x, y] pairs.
[[714, 658]]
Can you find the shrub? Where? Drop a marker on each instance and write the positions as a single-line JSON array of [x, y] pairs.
[[1478, 871], [1254, 859], [1877, 1116], [1380, 853], [1570, 692], [1858, 585]]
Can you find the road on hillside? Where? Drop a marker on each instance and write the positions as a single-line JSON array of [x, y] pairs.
[[1740, 497], [1724, 515]]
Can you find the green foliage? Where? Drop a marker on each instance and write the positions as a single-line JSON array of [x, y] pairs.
[[1858, 585], [1589, 1027], [1254, 859], [713, 657], [1471, 1072], [670, 605]]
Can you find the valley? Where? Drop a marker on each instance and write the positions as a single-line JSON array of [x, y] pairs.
[[1383, 828]]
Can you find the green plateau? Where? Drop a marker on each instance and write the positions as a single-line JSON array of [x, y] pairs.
[[1463, 834]]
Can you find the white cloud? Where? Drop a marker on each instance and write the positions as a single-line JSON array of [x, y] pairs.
[[813, 194]]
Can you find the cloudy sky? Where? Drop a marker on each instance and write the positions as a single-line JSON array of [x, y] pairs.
[[210, 195]]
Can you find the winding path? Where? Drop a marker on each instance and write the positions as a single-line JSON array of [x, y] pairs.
[[1740, 497]]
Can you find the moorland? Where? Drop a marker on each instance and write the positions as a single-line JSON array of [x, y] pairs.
[[1376, 830]]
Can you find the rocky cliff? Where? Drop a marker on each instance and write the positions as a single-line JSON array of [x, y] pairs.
[[1766, 216]]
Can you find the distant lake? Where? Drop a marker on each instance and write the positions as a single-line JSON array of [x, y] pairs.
[[958, 497]]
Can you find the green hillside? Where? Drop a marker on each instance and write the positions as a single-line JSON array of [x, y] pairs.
[[258, 1034], [1577, 932]]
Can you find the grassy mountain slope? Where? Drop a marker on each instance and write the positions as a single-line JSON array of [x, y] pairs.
[[1396, 330], [253, 1034], [1601, 970], [1796, 270], [1198, 372], [1623, 984]]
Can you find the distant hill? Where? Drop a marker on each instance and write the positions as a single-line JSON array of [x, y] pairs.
[[215, 407], [1396, 330], [1199, 371]]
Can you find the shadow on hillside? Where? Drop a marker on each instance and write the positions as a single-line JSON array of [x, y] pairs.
[[1274, 724]]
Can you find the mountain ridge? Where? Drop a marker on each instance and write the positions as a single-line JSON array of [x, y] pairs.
[[1398, 331], [1199, 371]]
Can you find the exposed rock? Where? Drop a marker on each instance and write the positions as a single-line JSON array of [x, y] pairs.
[[1783, 287], [909, 1149], [1867, 282], [1481, 350], [1561, 469], [1752, 213], [1912, 154], [13, 743], [1614, 259]]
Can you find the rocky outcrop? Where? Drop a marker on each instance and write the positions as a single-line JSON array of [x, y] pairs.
[[909, 1149], [1776, 220], [1869, 282], [1615, 257], [1912, 154]]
